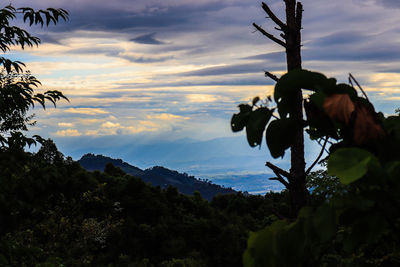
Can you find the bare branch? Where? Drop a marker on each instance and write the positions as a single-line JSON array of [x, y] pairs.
[[274, 17], [319, 156], [278, 170], [281, 180], [351, 77], [270, 36], [272, 76], [299, 15]]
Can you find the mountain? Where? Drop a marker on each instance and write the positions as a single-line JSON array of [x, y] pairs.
[[157, 176]]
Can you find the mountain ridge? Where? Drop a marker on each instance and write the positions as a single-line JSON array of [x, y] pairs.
[[157, 176]]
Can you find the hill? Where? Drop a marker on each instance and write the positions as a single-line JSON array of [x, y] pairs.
[[157, 176]]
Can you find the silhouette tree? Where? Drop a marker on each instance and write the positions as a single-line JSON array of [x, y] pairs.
[[49, 152], [295, 180], [17, 94]]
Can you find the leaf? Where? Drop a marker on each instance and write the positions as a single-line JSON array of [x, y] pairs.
[[393, 169], [343, 88], [366, 124], [256, 123], [324, 222], [351, 164], [262, 248], [255, 100], [392, 126], [239, 120], [288, 84], [339, 107], [280, 135]]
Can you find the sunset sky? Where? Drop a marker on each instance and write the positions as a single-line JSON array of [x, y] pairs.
[[167, 70]]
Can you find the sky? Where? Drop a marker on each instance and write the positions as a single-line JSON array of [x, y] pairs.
[[151, 72]]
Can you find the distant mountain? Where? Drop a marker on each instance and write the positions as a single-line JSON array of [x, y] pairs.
[[157, 176]]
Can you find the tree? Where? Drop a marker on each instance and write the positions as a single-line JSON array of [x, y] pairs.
[[17, 94], [295, 180], [49, 152], [357, 222]]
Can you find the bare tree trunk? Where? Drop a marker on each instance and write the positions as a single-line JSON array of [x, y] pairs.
[[298, 188], [292, 35]]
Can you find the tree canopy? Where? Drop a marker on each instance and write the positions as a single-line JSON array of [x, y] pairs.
[[17, 87]]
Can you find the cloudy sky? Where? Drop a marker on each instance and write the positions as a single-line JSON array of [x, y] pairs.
[[167, 70]]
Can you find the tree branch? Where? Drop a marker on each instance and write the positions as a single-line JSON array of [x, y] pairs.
[[272, 76], [269, 36], [359, 86], [272, 16], [278, 170], [319, 156], [281, 180]]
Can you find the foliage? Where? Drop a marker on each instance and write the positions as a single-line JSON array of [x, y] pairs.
[[358, 222], [52, 210], [329, 111], [17, 94]]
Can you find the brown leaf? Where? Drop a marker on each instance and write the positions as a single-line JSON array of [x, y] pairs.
[[366, 124], [339, 107]]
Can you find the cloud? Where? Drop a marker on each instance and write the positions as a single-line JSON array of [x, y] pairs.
[[166, 117], [389, 3], [344, 38], [87, 111], [144, 59], [65, 124], [68, 132], [118, 52], [109, 124], [201, 98], [229, 69], [147, 39]]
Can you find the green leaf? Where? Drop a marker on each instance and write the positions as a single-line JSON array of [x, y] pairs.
[[288, 84], [262, 248], [392, 126], [324, 222], [280, 136], [255, 127], [239, 120], [393, 169], [343, 88], [351, 164]]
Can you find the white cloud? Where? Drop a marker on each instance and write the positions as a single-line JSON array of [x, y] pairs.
[[68, 132], [65, 124], [87, 111], [109, 124]]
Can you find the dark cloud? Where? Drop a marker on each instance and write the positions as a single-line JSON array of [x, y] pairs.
[[341, 38], [147, 39], [145, 59], [389, 3], [226, 81], [48, 38], [119, 53], [187, 16], [275, 56], [232, 69], [356, 54]]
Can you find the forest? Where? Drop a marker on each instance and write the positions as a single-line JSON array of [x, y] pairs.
[[53, 212]]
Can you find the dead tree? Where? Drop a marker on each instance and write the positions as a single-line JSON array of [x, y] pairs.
[[291, 41]]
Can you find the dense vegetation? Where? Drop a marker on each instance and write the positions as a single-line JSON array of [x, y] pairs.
[[54, 212]]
